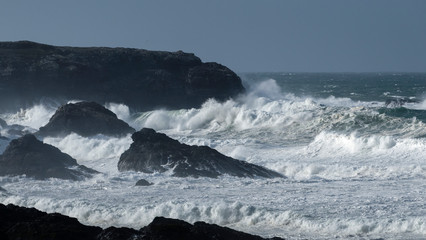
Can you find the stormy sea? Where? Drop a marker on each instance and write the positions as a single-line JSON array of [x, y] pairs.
[[350, 145]]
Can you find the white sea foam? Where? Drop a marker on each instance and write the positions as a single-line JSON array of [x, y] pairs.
[[266, 207], [98, 152], [33, 117], [351, 172], [121, 110]]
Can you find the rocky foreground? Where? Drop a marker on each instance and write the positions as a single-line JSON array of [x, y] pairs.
[[141, 79], [156, 152], [31, 224]]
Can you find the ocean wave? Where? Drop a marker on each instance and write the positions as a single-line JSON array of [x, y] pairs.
[[266, 222], [98, 152]]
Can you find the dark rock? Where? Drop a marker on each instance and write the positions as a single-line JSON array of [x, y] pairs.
[[156, 152], [31, 224], [113, 233], [141, 79], [29, 156], [85, 119], [143, 182], [173, 229]]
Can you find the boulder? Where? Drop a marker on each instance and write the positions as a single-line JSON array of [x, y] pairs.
[[141, 79], [155, 152], [85, 119], [32, 224], [27, 155], [143, 182]]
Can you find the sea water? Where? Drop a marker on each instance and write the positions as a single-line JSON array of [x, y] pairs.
[[354, 161]]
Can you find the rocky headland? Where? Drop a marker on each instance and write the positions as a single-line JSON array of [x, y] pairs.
[[156, 152], [141, 79]]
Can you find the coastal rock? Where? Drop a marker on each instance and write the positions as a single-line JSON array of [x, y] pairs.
[[32, 224], [173, 229], [141, 79], [85, 119], [113, 233], [156, 152], [143, 182], [27, 155]]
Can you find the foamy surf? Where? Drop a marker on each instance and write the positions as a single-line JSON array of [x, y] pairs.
[[353, 170]]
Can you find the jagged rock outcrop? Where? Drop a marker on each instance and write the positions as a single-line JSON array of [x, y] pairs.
[[156, 152], [139, 78], [27, 155], [31, 224], [85, 119]]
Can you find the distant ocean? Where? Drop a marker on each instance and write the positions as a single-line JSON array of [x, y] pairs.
[[351, 145]]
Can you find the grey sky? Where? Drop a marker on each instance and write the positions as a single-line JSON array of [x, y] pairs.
[[247, 36]]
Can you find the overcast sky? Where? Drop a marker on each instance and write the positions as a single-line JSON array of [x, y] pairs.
[[245, 35]]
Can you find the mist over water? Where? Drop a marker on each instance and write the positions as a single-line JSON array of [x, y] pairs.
[[354, 165]]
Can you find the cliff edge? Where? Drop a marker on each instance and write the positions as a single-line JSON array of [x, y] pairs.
[[142, 79]]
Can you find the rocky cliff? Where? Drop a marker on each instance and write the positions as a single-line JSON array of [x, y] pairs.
[[140, 78]]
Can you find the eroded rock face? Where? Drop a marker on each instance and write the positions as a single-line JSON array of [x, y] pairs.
[[141, 79], [85, 119], [156, 152], [31, 224], [27, 155]]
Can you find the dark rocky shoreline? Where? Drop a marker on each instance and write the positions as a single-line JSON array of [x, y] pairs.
[[31, 224]]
